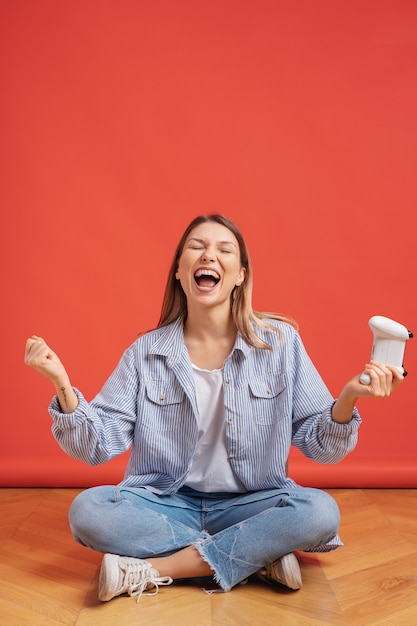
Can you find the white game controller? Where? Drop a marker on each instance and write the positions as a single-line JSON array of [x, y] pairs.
[[389, 344]]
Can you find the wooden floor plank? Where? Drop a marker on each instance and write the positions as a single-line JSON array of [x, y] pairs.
[[14, 615], [381, 589], [407, 617], [39, 602], [176, 606]]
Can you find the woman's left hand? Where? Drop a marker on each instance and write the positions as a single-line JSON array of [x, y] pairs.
[[384, 380]]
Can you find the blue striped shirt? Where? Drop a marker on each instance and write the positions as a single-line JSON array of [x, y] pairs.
[[148, 404]]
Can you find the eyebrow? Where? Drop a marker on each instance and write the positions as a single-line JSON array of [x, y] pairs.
[[222, 243]]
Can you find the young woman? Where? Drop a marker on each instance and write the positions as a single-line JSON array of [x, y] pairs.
[[209, 403]]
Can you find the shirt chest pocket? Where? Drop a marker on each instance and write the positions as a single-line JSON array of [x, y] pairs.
[[163, 406], [269, 399]]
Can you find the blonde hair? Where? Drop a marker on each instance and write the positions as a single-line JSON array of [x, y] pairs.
[[174, 304]]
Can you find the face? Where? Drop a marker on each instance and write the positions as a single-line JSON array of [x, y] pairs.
[[209, 267]]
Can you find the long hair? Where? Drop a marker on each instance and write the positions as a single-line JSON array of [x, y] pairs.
[[174, 304]]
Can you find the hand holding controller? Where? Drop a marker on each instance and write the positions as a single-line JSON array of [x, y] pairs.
[[389, 344]]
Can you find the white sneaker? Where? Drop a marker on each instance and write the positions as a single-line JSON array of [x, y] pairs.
[[123, 574], [285, 570]]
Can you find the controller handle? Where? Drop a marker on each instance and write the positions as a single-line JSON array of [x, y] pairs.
[[388, 345]]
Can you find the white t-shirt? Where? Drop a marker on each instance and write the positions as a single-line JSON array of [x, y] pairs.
[[211, 471]]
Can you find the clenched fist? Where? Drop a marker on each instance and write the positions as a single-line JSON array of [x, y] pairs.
[[44, 360], [40, 356]]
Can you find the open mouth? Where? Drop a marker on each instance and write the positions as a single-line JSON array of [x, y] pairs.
[[206, 278]]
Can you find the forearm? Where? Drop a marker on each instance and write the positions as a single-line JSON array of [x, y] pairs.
[[342, 409], [66, 395]]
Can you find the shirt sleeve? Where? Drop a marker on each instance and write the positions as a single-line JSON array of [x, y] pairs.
[[314, 431], [102, 429]]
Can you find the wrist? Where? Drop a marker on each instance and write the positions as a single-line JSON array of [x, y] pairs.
[[343, 407], [66, 395], [61, 382], [348, 394]]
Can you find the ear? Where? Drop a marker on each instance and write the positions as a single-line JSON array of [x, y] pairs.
[[241, 277]]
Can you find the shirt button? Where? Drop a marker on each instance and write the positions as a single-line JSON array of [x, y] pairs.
[[230, 421], [162, 398], [227, 383], [231, 456], [268, 391]]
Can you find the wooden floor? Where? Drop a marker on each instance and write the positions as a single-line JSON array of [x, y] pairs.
[[47, 579]]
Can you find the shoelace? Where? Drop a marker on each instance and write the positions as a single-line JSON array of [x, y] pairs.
[[139, 579]]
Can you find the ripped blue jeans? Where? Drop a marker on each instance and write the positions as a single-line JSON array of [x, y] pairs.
[[236, 534]]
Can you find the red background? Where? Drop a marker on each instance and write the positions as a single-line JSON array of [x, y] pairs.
[[121, 121]]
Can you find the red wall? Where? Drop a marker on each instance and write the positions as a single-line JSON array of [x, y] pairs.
[[120, 121]]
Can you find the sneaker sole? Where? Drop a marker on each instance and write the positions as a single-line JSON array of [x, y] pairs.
[[291, 571], [285, 571], [109, 577]]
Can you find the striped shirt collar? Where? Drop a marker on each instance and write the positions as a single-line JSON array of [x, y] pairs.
[[170, 342]]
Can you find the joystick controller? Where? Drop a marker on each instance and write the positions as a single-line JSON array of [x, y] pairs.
[[389, 344]]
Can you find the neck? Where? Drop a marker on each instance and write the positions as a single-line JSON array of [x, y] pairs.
[[204, 325], [209, 340]]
